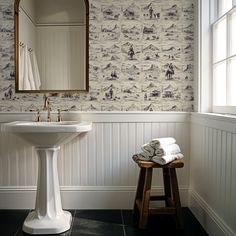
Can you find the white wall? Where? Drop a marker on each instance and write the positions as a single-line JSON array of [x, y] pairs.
[[27, 33], [96, 169], [30, 8], [60, 52], [60, 11], [213, 172]]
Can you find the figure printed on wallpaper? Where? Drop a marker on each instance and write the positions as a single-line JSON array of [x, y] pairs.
[[150, 12], [145, 96], [157, 15], [12, 76], [111, 12], [168, 94], [170, 72], [109, 95], [157, 55], [131, 12], [131, 52], [8, 94], [131, 31], [155, 93], [114, 75]]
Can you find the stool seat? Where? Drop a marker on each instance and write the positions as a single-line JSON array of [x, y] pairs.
[[151, 164], [171, 192]]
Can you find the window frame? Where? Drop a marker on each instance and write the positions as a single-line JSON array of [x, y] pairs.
[[226, 109]]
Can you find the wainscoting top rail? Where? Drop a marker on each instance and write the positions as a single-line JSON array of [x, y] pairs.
[[217, 121], [105, 116]]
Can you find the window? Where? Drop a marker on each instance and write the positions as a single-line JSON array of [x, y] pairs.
[[224, 57]]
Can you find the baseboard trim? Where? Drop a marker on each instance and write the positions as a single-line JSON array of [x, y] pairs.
[[91, 197], [208, 218]]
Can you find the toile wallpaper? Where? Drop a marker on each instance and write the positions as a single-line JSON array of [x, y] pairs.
[[141, 59]]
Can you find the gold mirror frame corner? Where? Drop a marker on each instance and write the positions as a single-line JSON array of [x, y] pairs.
[[16, 35]]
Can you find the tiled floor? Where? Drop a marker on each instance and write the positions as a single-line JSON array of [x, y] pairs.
[[106, 223]]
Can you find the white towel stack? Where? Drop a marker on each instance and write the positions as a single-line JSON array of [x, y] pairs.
[[161, 151]]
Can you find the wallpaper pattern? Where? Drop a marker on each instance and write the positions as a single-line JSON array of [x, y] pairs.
[[141, 59]]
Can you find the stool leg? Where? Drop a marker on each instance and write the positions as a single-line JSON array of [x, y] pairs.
[[139, 191], [176, 198], [166, 179], [144, 208]]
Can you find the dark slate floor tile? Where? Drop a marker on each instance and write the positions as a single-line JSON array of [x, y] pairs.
[[107, 223], [105, 216], [163, 225], [89, 227], [11, 220], [191, 225], [128, 217]]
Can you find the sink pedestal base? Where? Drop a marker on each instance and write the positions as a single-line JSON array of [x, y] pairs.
[[47, 225], [48, 216]]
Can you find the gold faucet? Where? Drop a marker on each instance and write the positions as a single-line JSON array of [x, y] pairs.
[[38, 118], [47, 107], [59, 119]]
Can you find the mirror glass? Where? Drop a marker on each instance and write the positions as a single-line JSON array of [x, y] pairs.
[[51, 45]]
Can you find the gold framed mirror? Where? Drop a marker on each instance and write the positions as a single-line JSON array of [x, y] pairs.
[[51, 46]]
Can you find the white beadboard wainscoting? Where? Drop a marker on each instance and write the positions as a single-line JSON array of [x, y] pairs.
[[96, 168], [212, 194], [66, 64]]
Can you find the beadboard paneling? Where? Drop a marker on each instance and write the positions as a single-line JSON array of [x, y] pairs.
[[213, 172], [99, 160], [65, 49]]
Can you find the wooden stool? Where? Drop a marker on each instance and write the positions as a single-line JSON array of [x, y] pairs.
[[171, 197]]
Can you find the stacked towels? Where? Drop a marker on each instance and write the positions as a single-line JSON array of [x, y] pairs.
[[161, 151]]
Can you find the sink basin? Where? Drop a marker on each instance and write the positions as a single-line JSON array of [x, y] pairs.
[[47, 134], [48, 216]]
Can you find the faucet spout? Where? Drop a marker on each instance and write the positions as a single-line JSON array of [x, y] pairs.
[[45, 104], [47, 107]]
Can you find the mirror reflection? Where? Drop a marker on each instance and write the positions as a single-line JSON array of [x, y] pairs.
[[52, 43]]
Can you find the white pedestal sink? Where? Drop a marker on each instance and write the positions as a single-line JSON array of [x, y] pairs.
[[48, 216]]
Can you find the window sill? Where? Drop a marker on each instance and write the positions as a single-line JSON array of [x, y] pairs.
[[225, 110], [215, 116]]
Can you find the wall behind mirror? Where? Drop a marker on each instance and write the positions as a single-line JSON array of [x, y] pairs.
[[52, 45]]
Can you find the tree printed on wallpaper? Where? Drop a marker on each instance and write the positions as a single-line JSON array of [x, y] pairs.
[[141, 59]]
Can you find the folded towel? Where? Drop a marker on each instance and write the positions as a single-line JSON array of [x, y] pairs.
[[158, 142], [144, 156], [158, 148], [147, 148], [163, 160], [168, 150]]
